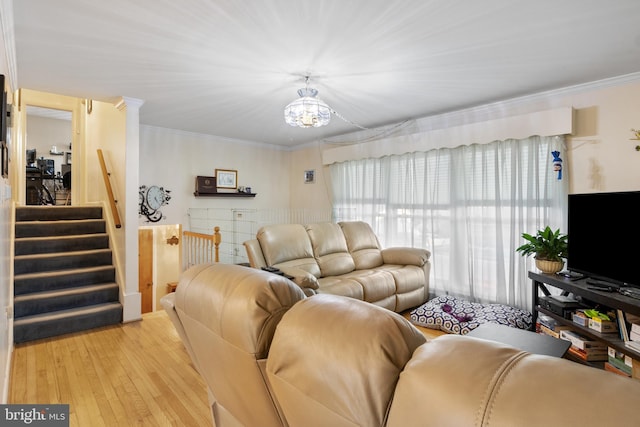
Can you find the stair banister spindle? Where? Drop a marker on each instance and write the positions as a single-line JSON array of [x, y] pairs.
[[201, 248]]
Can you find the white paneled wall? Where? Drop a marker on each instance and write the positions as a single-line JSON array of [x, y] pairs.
[[238, 225]]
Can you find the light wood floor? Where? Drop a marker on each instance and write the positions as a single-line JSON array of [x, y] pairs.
[[134, 374]]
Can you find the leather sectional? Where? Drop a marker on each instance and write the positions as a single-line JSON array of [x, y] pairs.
[[271, 356], [345, 259]]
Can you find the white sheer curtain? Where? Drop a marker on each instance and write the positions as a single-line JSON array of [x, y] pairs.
[[468, 205]]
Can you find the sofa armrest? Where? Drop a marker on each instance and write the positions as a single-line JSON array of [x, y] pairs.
[[406, 256], [254, 253], [302, 278]]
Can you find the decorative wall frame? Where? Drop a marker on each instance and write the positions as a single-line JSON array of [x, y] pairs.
[[227, 178], [4, 159], [310, 176]]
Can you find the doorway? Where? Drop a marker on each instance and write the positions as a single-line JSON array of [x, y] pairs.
[[48, 148]]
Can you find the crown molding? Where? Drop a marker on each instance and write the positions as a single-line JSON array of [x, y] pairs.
[[488, 111]]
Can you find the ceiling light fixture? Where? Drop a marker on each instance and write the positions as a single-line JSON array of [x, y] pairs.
[[307, 111]]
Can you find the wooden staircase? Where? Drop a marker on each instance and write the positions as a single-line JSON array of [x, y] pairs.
[[64, 278]]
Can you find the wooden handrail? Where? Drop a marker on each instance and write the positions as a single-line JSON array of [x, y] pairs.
[[107, 182], [199, 247]]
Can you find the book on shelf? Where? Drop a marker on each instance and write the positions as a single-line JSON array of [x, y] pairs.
[[589, 355], [611, 368], [620, 360], [581, 342], [551, 323], [629, 331], [634, 345], [546, 331], [622, 325]]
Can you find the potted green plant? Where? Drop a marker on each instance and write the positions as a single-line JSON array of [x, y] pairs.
[[549, 248]]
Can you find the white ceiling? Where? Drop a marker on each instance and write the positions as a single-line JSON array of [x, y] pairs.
[[229, 67]]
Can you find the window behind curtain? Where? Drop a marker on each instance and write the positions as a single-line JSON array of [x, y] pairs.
[[468, 205]]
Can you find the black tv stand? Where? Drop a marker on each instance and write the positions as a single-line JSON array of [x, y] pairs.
[[588, 294]]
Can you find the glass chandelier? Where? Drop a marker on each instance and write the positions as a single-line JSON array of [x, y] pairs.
[[307, 111]]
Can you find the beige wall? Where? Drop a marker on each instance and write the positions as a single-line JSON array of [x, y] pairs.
[[602, 156], [172, 159], [305, 195]]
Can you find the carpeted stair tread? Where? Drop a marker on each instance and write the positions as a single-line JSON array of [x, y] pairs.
[[67, 313], [51, 301], [62, 292], [61, 260], [59, 228], [60, 279], [35, 213], [51, 244], [66, 321]]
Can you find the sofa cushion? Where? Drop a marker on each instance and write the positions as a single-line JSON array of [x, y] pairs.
[[330, 249], [362, 243], [457, 316], [335, 361], [451, 377], [287, 246], [340, 286], [377, 285], [409, 281]]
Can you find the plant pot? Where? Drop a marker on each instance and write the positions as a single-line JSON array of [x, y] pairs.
[[549, 267]]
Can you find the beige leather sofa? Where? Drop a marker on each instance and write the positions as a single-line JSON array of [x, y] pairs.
[[344, 259], [273, 357]]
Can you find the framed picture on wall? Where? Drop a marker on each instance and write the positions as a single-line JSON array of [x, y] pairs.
[[5, 160], [310, 176], [226, 178]]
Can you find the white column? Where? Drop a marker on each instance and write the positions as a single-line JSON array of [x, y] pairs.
[[132, 299]]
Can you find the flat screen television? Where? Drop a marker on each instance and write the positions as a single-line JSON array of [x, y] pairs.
[[604, 236]]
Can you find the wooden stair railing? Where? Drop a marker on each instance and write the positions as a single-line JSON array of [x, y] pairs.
[[106, 176], [200, 248]]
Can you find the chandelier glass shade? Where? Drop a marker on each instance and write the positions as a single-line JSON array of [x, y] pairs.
[[307, 111]]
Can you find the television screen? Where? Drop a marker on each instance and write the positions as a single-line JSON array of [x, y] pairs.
[[604, 234]]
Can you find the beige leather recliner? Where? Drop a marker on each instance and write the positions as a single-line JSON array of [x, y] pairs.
[[226, 316], [272, 357]]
